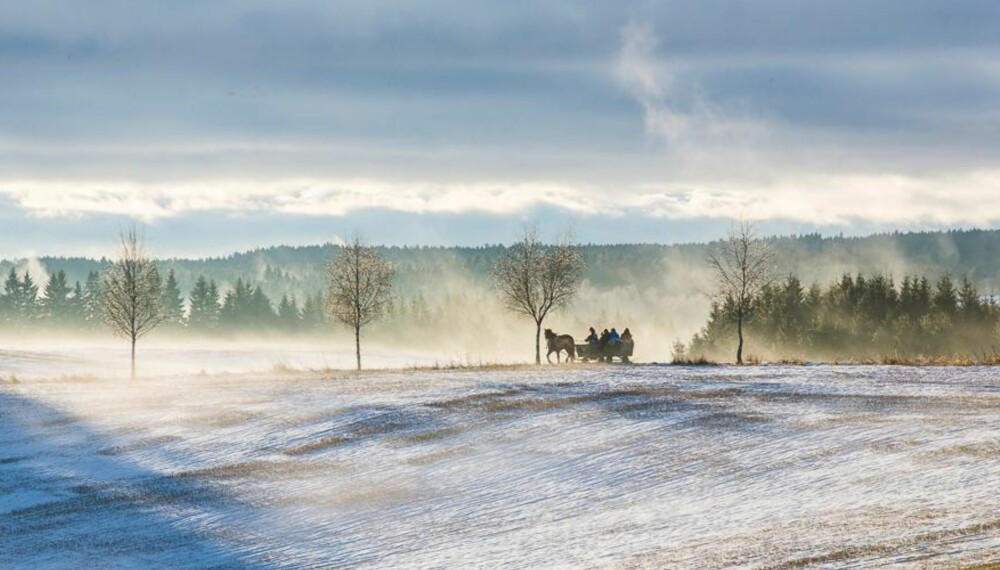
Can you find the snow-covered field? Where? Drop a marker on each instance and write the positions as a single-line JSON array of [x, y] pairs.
[[572, 467], [32, 359]]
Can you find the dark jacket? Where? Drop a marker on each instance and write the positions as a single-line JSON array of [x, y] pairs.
[[604, 338]]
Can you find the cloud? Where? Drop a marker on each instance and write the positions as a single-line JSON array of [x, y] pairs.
[[650, 85], [955, 198], [150, 202], [965, 197], [848, 114], [674, 107]]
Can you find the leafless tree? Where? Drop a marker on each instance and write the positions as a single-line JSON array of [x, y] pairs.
[[359, 287], [130, 292], [743, 264], [534, 279]]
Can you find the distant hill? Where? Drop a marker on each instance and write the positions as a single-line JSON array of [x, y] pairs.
[[444, 296], [299, 270]]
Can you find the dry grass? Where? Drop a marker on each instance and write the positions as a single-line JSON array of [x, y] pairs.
[[433, 434], [138, 445], [854, 552], [894, 359], [358, 431], [319, 444], [985, 359], [281, 367], [440, 454], [252, 468], [693, 361], [788, 361], [467, 366], [980, 449]]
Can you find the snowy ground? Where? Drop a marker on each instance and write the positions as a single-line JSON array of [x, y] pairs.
[[631, 467], [110, 358]]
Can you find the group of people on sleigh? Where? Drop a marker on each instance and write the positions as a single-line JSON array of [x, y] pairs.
[[601, 341]]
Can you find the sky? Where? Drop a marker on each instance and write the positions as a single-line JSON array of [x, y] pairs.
[[224, 125]]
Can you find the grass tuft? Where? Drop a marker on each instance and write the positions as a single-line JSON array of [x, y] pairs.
[[693, 361], [940, 360]]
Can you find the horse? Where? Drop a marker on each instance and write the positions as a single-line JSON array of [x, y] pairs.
[[558, 343]]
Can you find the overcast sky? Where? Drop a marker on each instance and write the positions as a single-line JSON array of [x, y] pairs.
[[228, 124]]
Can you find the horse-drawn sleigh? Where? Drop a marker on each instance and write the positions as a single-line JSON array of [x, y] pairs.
[[599, 351], [619, 348]]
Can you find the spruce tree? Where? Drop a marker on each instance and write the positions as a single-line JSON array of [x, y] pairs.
[[29, 297], [204, 304], [91, 301], [11, 296], [213, 305], [288, 313], [971, 308], [314, 313], [236, 308], [261, 312], [171, 301], [945, 297], [56, 304], [75, 304], [198, 301]]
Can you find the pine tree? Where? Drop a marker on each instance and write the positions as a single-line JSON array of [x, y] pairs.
[[91, 301], [11, 296], [29, 298], [20, 296], [213, 303], [171, 301], [75, 304], [56, 304], [314, 313], [288, 313], [945, 297], [236, 308], [971, 308], [260, 310], [204, 304]]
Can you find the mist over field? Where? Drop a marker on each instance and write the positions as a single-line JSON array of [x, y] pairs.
[[280, 283], [445, 308]]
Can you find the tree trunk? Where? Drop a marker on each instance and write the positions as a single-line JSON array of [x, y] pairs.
[[538, 345], [133, 359], [739, 333], [357, 345]]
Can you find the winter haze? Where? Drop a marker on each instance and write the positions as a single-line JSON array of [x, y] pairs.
[[277, 279]]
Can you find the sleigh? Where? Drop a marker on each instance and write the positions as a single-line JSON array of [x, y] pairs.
[[621, 349]]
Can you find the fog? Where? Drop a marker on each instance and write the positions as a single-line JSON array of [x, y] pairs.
[[447, 312], [105, 357], [464, 324]]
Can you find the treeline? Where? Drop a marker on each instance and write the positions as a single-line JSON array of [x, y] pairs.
[[247, 308], [299, 270], [243, 308], [858, 317]]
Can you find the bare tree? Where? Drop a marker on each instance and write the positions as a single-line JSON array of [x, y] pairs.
[[359, 287], [743, 264], [534, 279], [130, 292]]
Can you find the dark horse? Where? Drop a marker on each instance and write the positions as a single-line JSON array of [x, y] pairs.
[[558, 343]]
